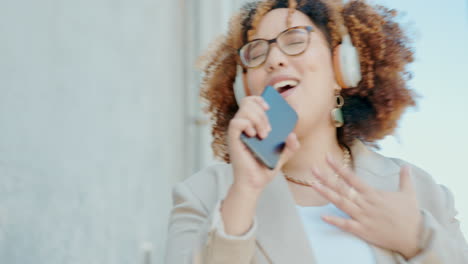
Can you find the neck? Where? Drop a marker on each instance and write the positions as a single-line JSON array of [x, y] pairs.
[[312, 153]]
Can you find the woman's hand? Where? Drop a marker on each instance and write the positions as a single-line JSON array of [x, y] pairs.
[[253, 121], [390, 220]]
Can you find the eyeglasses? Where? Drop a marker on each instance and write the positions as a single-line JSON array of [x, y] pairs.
[[292, 41]]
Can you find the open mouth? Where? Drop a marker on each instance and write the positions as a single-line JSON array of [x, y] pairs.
[[284, 86]]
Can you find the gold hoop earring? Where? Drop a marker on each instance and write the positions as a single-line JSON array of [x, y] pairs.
[[337, 113]]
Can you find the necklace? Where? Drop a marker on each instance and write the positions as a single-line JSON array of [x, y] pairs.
[[346, 164]]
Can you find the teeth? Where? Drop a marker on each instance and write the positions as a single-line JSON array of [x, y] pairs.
[[291, 83]]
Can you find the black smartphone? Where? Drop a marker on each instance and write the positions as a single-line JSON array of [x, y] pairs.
[[283, 119]]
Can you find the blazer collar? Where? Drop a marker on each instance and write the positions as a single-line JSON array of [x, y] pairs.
[[280, 229]]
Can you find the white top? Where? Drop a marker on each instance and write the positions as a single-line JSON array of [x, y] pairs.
[[329, 243]]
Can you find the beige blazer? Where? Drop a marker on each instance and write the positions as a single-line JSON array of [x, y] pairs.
[[195, 233]]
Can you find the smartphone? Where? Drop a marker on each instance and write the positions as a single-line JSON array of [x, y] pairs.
[[283, 119]]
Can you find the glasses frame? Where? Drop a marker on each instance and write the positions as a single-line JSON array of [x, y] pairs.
[[274, 40]]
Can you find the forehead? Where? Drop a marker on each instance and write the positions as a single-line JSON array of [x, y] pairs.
[[274, 22]]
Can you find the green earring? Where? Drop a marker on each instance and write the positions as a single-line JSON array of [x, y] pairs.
[[337, 113]]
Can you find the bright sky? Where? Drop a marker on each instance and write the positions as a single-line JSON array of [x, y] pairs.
[[433, 135]]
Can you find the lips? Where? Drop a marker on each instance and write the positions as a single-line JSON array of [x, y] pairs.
[[284, 84]]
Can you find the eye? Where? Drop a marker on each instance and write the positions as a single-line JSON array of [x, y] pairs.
[[295, 36], [295, 42], [256, 50]]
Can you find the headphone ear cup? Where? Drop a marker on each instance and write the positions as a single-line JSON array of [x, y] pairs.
[[337, 66], [347, 64], [239, 89]]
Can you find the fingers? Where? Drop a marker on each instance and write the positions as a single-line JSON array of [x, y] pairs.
[[260, 101], [252, 108], [292, 145], [338, 193], [332, 181], [239, 125], [348, 225], [348, 176]]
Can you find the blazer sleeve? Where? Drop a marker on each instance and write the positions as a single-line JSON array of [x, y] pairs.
[[441, 240], [196, 235]]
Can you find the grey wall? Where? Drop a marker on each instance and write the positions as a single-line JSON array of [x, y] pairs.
[[99, 118], [91, 128]]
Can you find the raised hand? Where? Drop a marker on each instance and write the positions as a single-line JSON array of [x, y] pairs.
[[253, 121], [390, 220]]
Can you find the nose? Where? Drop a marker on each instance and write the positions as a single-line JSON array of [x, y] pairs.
[[276, 59]]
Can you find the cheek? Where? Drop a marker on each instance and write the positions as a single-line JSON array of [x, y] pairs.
[[317, 76], [254, 82], [317, 60]]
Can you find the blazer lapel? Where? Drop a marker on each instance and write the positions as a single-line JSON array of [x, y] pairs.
[[280, 230]]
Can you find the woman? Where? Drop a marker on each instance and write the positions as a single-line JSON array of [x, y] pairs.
[[331, 198]]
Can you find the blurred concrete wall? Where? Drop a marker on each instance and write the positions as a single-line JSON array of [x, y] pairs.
[[99, 117], [92, 123]]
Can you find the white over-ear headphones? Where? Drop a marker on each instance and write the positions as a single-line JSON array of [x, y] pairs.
[[239, 88], [346, 63]]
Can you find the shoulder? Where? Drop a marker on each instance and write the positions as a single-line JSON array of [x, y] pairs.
[[429, 192], [388, 168], [432, 196], [419, 175], [383, 172], [209, 184]]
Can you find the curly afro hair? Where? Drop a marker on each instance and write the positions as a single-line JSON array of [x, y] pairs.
[[371, 109]]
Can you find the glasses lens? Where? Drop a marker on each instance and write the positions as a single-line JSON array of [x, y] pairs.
[[294, 41], [254, 53]]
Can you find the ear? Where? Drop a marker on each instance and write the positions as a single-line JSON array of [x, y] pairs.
[[240, 84]]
